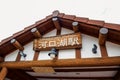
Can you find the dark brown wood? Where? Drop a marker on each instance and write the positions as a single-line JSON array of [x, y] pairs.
[[20, 74], [36, 55], [1, 59], [104, 53], [117, 75], [70, 77], [75, 26], [17, 44], [18, 57], [78, 53], [3, 73], [36, 33], [111, 61], [56, 23], [103, 36]]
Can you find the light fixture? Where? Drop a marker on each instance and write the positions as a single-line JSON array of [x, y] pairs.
[[53, 53], [94, 49], [22, 54]]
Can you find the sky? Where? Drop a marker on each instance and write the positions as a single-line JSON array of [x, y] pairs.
[[15, 15]]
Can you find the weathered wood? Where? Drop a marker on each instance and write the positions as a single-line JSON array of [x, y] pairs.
[[17, 44], [36, 33], [112, 61], [3, 73], [56, 23], [75, 26], [36, 54], [103, 36]]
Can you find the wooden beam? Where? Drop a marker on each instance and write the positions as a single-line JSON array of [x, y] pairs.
[[75, 26], [17, 44], [112, 61], [78, 53], [1, 59], [56, 23], [55, 13], [104, 53], [36, 33], [3, 73], [18, 56], [117, 75], [36, 55], [103, 36]]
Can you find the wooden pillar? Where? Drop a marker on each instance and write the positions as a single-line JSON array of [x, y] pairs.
[[17, 44], [103, 36], [75, 26], [56, 23], [3, 73], [36, 33]]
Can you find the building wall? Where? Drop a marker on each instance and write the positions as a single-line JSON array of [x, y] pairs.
[[86, 51]]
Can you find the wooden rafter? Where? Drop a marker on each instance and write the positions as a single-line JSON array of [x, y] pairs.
[[3, 73], [111, 61]]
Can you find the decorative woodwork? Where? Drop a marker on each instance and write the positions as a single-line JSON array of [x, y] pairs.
[[18, 57], [102, 36], [56, 23], [58, 42], [78, 53], [17, 44], [36, 54], [3, 73], [36, 33], [111, 61], [75, 26], [104, 53]]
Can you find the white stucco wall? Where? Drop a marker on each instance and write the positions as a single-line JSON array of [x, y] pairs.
[[86, 51]]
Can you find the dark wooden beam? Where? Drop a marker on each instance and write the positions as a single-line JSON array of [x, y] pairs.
[[75, 26], [36, 33], [111, 61], [78, 53], [3, 73], [18, 57], [20, 74], [17, 44], [103, 36], [117, 75], [36, 55], [56, 23], [104, 53]]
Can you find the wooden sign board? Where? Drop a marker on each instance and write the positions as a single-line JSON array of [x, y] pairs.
[[58, 42]]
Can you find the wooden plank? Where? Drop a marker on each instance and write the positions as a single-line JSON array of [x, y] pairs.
[[3, 73], [36, 55], [18, 56], [111, 61], [78, 53], [104, 53], [58, 42]]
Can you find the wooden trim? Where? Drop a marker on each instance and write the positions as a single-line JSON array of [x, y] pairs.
[[78, 53], [75, 26], [36, 55], [117, 75], [3, 73], [56, 23], [104, 53], [70, 77], [111, 61], [18, 56], [17, 44], [36, 33]]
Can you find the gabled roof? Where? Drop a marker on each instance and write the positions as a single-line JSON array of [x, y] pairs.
[[86, 26]]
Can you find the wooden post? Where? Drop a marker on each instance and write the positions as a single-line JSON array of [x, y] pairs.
[[17, 44], [36, 33], [75, 26], [3, 73], [56, 23], [102, 36]]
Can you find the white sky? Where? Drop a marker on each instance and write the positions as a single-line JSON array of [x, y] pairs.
[[15, 15]]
